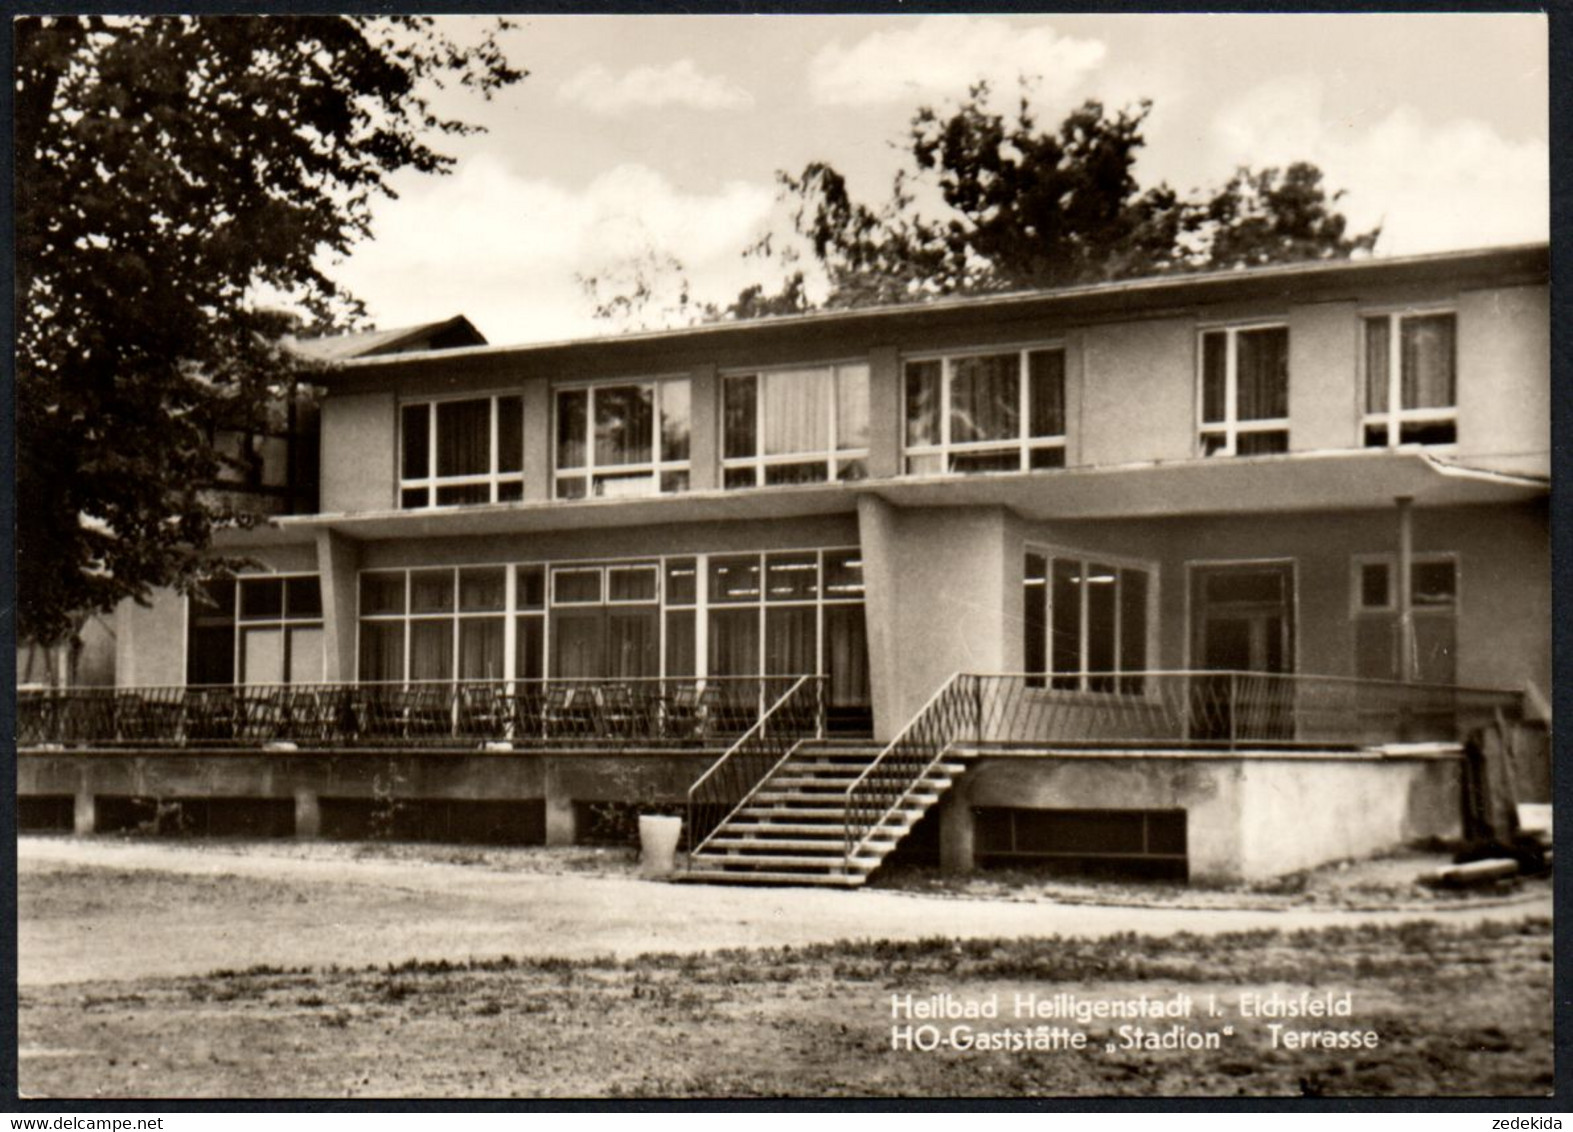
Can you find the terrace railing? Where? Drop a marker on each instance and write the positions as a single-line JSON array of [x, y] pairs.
[[737, 775], [709, 711], [1230, 711]]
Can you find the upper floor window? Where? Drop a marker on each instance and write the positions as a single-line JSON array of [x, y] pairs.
[[463, 451], [795, 426], [1411, 379], [1244, 395], [996, 412], [625, 439]]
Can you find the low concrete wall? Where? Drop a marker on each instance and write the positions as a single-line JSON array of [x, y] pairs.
[[1249, 816], [559, 779]]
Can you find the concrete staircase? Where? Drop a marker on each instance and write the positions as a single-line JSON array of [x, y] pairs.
[[793, 829]]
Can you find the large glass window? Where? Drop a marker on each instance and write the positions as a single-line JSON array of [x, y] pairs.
[[1244, 395], [1084, 623], [1411, 379], [625, 439], [776, 614], [438, 624], [999, 412], [256, 630], [458, 452], [795, 426]]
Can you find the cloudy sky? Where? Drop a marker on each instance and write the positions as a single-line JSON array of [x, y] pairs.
[[656, 136]]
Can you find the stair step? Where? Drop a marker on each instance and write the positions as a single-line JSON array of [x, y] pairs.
[[716, 876], [836, 863], [796, 827], [836, 845]]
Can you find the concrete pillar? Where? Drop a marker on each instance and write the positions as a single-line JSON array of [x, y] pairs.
[[308, 815], [1405, 581], [704, 429], [878, 538], [537, 441], [957, 833], [85, 815], [559, 809], [885, 420], [338, 562]]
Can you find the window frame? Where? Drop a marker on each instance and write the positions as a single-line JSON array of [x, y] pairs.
[[1231, 426], [1045, 681], [284, 622], [431, 483], [1358, 562], [835, 458], [1023, 444], [1396, 416], [514, 610], [655, 470]]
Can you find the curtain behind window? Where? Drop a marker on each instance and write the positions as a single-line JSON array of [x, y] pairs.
[[846, 655], [464, 438], [624, 425], [796, 411], [985, 398], [382, 650], [734, 642], [1428, 373], [480, 648], [1262, 374]]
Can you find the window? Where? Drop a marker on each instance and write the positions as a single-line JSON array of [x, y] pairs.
[[1084, 623], [256, 630], [1243, 402], [781, 614], [1433, 600], [620, 440], [439, 624], [1001, 412], [458, 452], [1411, 379], [795, 426]]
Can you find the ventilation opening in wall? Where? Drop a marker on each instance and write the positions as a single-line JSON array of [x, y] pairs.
[[1145, 844]]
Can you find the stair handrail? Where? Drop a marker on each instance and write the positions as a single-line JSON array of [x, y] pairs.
[[765, 737], [954, 710]]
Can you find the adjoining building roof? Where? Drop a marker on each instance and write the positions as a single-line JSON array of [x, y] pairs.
[[1119, 298], [450, 334]]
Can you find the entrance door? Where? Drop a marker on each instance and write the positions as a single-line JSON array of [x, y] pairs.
[[1243, 621]]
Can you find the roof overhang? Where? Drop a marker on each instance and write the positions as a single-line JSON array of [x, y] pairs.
[[1333, 481]]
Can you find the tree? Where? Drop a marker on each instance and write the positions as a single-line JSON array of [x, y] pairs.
[[168, 170], [1020, 207]]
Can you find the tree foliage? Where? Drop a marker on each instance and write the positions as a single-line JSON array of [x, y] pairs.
[[992, 202], [168, 169]]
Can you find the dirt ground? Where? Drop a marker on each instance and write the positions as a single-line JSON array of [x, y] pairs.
[[211, 970]]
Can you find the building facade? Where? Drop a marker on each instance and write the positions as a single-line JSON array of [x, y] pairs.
[[1332, 470]]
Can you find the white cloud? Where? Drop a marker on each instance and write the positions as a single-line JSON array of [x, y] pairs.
[[506, 249], [679, 84], [943, 55], [1432, 186]]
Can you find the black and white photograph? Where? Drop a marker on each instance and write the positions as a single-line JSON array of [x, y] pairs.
[[732, 556]]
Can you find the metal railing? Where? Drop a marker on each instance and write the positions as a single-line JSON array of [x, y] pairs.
[[1229, 711], [691, 711], [737, 775]]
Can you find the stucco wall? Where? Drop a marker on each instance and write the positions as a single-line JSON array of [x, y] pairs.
[[1247, 818], [359, 452], [1324, 353], [941, 592], [1299, 813], [150, 641], [1139, 390], [1504, 357], [1504, 602]]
